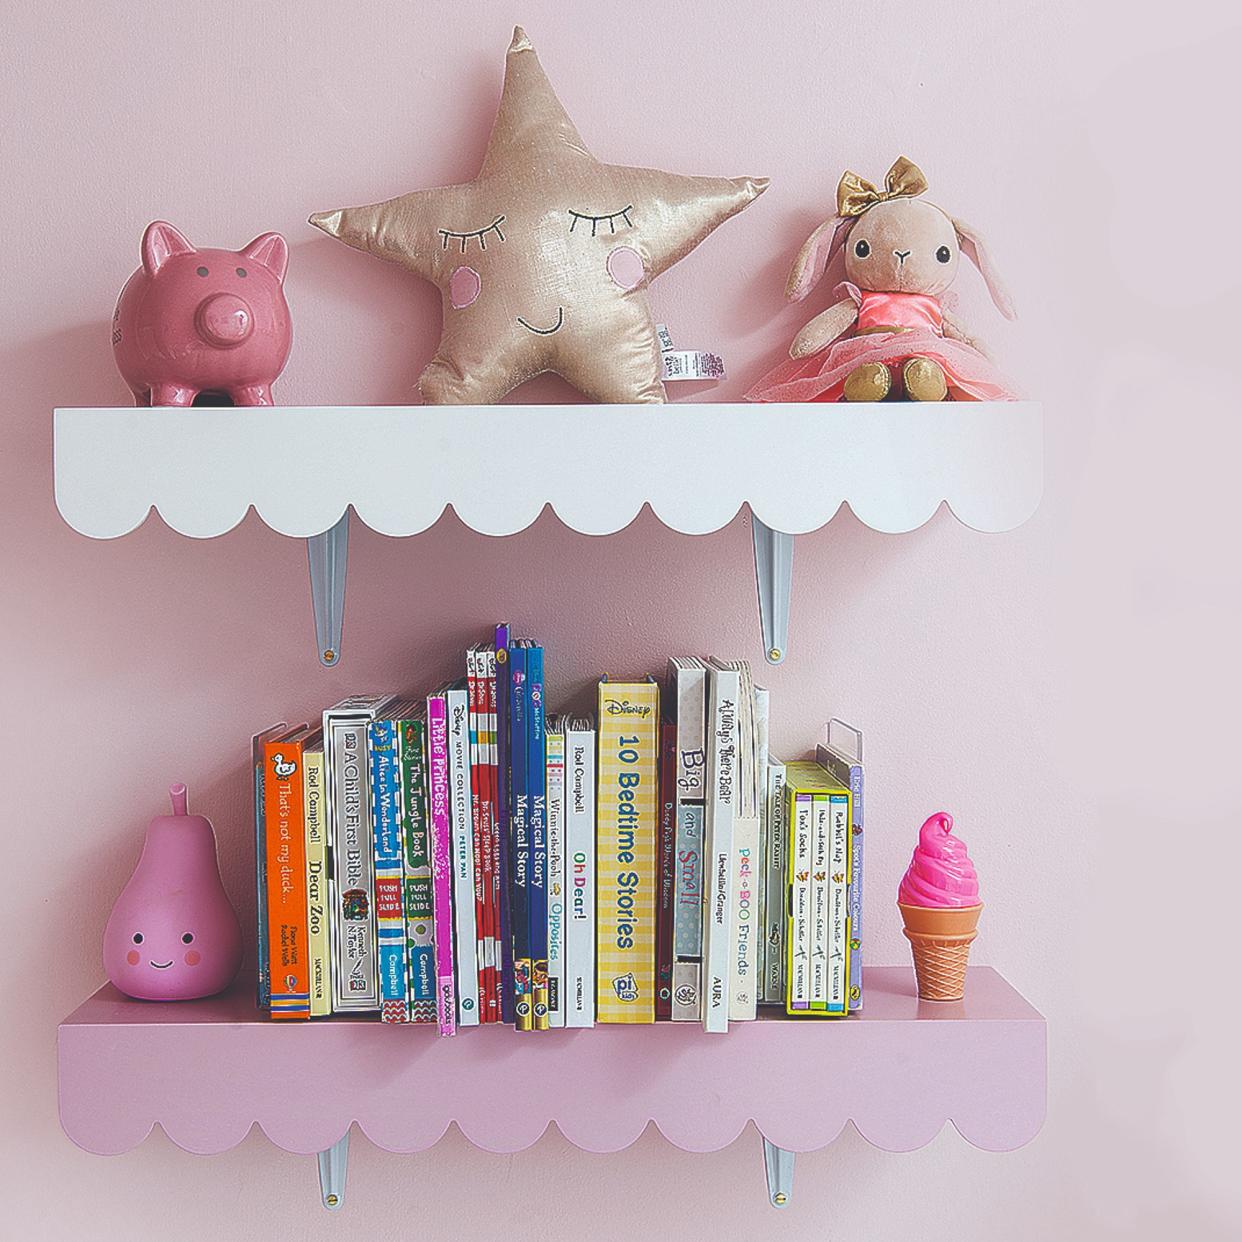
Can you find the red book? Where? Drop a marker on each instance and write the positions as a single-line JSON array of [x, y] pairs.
[[664, 860], [284, 817]]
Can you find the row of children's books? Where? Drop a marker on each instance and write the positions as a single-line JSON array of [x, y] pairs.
[[461, 858]]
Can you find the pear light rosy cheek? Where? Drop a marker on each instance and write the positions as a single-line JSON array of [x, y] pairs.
[[193, 957], [625, 266], [133, 957], [465, 285]]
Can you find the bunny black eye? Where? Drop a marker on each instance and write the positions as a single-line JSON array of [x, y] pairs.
[[137, 937], [944, 254], [202, 271], [862, 248], [241, 271], [188, 938]]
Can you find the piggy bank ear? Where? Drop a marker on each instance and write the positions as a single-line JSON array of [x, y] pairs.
[[159, 244], [270, 250]]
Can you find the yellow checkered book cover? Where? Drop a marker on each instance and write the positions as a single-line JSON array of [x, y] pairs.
[[626, 826]]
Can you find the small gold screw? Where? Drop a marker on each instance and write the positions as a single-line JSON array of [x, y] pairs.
[[329, 656], [774, 654], [332, 1200], [780, 1199]]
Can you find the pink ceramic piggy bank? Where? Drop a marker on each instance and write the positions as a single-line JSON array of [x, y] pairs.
[[213, 322], [172, 934]]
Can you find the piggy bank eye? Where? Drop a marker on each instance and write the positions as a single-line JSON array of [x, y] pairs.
[[137, 937], [188, 938], [241, 271], [202, 271]]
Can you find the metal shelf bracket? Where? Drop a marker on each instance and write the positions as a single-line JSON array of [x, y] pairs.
[[778, 1164], [333, 1163], [774, 579], [328, 555]]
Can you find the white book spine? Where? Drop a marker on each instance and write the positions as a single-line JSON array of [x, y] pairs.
[[838, 905], [556, 878], [745, 925], [799, 948], [819, 902], [762, 711], [580, 877], [777, 881], [462, 835], [722, 792]]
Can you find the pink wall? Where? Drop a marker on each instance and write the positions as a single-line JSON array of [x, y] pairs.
[[1019, 680]]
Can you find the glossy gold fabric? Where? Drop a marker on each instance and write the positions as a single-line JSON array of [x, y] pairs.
[[544, 259], [855, 195]]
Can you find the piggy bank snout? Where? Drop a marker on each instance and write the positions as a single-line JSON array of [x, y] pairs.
[[224, 320]]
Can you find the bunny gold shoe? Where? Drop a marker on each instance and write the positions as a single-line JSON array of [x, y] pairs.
[[870, 381], [924, 380]]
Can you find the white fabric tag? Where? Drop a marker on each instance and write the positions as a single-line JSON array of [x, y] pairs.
[[688, 364]]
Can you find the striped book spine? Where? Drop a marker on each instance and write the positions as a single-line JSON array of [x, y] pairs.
[[441, 862], [419, 909], [389, 895]]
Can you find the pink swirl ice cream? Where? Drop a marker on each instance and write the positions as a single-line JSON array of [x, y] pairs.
[[940, 874]]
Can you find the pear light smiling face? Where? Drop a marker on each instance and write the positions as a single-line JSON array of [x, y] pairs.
[[543, 261]]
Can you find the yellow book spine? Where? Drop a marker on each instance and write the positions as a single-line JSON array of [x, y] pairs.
[[319, 950], [626, 828]]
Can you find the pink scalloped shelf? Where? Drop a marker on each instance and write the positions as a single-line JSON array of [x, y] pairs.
[[207, 1071]]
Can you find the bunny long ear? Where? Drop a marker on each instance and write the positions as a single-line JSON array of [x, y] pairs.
[[816, 254], [974, 249]]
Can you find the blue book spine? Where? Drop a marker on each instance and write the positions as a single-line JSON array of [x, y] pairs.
[[389, 894], [502, 814], [519, 804], [537, 881]]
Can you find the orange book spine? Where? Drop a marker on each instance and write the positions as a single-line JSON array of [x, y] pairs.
[[284, 813]]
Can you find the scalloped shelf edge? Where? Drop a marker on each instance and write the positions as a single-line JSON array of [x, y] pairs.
[[317, 528]]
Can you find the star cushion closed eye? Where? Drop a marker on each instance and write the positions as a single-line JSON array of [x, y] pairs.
[[544, 259]]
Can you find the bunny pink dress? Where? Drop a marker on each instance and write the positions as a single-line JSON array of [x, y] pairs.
[[891, 328]]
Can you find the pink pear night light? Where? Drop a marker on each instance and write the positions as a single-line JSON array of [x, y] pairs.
[[172, 934]]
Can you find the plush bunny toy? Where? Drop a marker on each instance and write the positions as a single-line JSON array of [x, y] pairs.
[[901, 255]]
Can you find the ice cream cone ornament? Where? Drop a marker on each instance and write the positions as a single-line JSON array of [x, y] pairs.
[[939, 903]]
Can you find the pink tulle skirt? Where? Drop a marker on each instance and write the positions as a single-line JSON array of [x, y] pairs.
[[821, 377]]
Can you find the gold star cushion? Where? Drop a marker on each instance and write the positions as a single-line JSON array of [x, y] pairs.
[[544, 259]]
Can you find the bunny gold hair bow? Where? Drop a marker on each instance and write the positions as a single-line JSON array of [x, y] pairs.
[[854, 195]]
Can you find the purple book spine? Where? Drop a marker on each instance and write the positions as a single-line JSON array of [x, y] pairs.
[[441, 865]]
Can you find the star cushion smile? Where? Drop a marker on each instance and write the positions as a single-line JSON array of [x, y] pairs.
[[544, 259]]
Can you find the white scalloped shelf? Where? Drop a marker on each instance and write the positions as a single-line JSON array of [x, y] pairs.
[[696, 465], [399, 467]]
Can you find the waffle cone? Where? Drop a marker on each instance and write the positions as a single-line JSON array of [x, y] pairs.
[[940, 939]]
